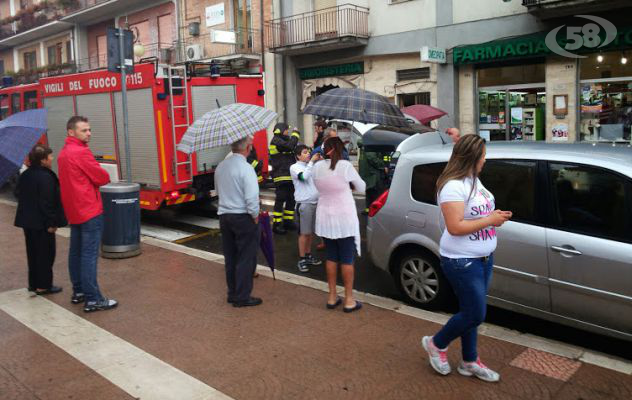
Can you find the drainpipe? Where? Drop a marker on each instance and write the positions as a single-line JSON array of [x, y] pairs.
[[279, 68], [263, 51]]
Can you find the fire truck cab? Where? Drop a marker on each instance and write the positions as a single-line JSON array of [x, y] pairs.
[[163, 101], [14, 99]]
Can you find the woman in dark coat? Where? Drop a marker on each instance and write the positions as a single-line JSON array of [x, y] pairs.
[[40, 213]]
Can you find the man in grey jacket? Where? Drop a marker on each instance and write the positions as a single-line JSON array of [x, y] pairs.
[[238, 192]]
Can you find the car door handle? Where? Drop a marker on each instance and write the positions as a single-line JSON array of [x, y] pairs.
[[566, 250]]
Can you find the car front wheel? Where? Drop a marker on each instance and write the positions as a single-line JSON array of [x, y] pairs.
[[421, 282]]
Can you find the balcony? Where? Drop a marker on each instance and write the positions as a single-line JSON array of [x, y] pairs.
[[545, 9], [328, 29], [53, 17]]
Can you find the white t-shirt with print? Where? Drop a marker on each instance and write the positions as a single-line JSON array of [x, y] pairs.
[[480, 204]]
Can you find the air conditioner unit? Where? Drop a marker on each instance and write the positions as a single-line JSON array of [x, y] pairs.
[[194, 52]]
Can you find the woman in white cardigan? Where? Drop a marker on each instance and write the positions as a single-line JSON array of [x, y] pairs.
[[337, 219]]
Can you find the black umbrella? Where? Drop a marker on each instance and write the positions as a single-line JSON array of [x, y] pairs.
[[356, 105]]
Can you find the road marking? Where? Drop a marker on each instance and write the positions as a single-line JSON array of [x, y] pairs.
[[494, 331], [194, 237], [130, 368], [204, 222], [161, 233]]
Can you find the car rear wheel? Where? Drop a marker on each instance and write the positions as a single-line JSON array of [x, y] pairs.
[[421, 282]]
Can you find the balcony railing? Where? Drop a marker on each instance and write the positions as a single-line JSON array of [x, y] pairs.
[[331, 23], [163, 52], [36, 15]]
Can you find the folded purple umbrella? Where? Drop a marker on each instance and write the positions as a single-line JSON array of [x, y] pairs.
[[18, 135], [266, 241]]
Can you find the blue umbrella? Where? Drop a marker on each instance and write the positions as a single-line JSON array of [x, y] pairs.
[[18, 135]]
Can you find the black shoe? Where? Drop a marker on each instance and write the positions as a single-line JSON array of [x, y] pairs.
[[278, 229], [230, 301], [253, 301], [77, 298], [289, 226], [102, 305], [51, 290]]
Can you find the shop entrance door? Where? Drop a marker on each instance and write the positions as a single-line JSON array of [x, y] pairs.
[[513, 112]]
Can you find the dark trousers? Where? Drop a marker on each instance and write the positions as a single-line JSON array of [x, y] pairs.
[[371, 195], [240, 241], [284, 203], [40, 253]]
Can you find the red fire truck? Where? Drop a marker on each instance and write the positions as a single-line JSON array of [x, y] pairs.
[[163, 101], [14, 99]]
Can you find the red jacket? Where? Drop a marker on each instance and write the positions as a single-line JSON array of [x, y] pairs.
[[80, 177]]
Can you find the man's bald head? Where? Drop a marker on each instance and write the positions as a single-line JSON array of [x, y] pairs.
[[454, 133]]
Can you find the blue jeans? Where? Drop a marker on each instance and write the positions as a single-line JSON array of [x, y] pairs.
[[469, 278], [85, 240]]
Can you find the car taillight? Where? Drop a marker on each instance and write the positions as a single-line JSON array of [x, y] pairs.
[[378, 204]]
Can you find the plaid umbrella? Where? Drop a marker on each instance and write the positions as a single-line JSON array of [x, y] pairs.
[[225, 126], [424, 113], [18, 135], [356, 105]]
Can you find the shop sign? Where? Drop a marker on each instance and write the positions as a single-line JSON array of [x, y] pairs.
[[331, 70], [215, 15], [433, 55], [533, 45]]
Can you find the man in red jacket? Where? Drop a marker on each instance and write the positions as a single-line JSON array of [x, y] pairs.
[[80, 177]]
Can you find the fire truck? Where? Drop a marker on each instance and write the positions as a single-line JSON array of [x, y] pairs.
[[163, 100], [14, 99]]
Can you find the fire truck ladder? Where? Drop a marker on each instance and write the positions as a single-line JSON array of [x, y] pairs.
[[175, 74]]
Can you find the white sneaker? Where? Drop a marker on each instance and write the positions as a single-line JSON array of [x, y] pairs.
[[438, 358], [479, 370]]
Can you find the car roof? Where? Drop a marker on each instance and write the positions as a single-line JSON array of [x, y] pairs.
[[574, 152]]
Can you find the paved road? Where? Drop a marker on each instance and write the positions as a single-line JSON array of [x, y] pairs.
[[371, 279], [196, 227]]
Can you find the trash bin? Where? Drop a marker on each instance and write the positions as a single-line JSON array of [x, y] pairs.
[[121, 212]]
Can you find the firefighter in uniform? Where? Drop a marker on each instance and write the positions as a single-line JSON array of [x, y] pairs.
[[281, 158], [256, 164], [372, 168]]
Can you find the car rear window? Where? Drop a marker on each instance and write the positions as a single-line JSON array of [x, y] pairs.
[[424, 182]]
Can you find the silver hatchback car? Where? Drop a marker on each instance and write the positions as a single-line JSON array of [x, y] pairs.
[[566, 255]]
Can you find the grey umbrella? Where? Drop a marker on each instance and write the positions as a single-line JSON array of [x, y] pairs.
[[356, 105]]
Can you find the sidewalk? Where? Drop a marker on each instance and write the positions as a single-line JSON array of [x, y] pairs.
[[173, 312]]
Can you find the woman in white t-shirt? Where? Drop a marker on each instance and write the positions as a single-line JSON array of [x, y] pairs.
[[466, 247], [337, 219]]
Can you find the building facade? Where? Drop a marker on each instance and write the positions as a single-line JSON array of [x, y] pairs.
[[498, 79], [43, 37]]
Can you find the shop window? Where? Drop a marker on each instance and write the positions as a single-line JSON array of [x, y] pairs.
[[414, 73], [511, 75], [30, 100], [410, 99], [606, 97], [30, 60], [424, 182], [513, 185], [590, 201]]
